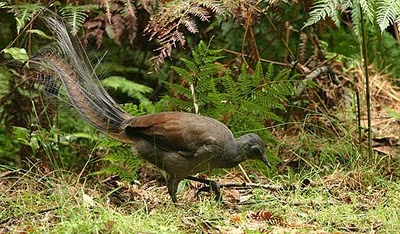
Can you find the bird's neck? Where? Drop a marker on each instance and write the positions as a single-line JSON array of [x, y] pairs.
[[234, 153]]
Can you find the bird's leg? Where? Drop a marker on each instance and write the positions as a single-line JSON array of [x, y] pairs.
[[173, 187], [212, 187]]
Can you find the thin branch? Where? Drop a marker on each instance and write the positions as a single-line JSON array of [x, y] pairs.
[[261, 59], [255, 185], [194, 99], [367, 88]]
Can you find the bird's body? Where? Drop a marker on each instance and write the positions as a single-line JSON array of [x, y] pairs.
[[182, 144]]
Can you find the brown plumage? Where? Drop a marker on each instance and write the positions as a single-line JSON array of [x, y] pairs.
[[180, 143]]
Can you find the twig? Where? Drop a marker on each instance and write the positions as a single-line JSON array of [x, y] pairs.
[[195, 105], [261, 59], [367, 87], [256, 185], [244, 173], [309, 77]]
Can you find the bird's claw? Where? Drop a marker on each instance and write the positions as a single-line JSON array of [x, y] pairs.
[[214, 187]]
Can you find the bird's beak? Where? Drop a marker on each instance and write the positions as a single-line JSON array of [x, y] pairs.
[[265, 160]]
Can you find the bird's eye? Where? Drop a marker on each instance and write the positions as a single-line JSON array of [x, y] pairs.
[[256, 150]]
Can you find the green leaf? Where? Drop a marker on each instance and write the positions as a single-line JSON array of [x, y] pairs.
[[34, 143], [39, 32], [19, 54], [21, 134]]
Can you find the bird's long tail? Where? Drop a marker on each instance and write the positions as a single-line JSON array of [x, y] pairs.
[[68, 61]]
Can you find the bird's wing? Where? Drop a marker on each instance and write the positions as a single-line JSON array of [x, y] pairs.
[[188, 134]]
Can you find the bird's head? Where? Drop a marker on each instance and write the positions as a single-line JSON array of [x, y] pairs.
[[253, 147]]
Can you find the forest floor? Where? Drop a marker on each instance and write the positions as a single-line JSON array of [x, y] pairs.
[[352, 201], [322, 183]]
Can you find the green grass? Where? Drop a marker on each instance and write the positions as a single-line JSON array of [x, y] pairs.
[[342, 201], [322, 185]]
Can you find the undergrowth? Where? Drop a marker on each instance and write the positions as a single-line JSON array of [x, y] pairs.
[[59, 175]]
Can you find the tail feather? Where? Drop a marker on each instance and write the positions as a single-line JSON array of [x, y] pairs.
[[90, 99]]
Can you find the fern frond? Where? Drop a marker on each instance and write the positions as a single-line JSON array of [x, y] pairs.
[[181, 104], [346, 4], [303, 47], [122, 163], [190, 65], [368, 8], [129, 13], [189, 24], [181, 91], [106, 4], [323, 9], [218, 7], [24, 13], [259, 75], [230, 87], [356, 17], [388, 11], [270, 72], [167, 26], [75, 16], [243, 101], [200, 12], [182, 72], [128, 87], [208, 70]]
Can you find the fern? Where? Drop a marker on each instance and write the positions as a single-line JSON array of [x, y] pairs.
[[356, 19], [202, 67], [143, 108], [167, 26], [130, 88], [365, 7], [75, 16], [368, 8], [129, 13], [119, 160], [323, 9], [243, 103], [106, 4], [24, 13], [388, 11]]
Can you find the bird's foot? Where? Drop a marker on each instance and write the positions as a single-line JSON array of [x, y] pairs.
[[208, 189], [212, 187]]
